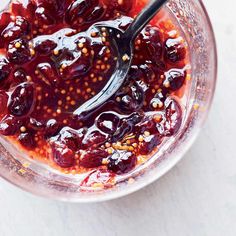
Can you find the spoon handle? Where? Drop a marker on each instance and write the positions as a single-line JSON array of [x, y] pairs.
[[143, 18]]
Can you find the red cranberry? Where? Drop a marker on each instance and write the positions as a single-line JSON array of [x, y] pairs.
[[93, 139], [16, 29], [71, 138], [62, 155], [44, 46], [175, 78], [126, 126], [48, 73], [79, 10], [52, 128], [123, 6], [19, 52], [95, 14], [122, 162], [108, 123], [27, 140], [151, 44], [93, 158], [43, 16], [75, 66], [5, 69], [173, 117], [149, 144], [175, 50], [22, 100], [35, 124], [19, 76], [131, 97], [9, 126], [148, 124], [98, 176]]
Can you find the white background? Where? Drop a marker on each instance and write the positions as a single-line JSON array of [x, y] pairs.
[[197, 198]]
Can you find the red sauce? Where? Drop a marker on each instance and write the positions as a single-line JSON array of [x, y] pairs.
[[52, 61]]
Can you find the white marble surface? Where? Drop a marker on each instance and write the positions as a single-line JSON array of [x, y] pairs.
[[197, 198]]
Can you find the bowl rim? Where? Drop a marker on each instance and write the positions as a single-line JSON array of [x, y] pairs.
[[132, 189]]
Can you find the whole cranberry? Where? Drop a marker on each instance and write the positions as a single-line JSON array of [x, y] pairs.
[[62, 155], [22, 99], [123, 6], [27, 140], [44, 46], [79, 9], [5, 69], [52, 128], [44, 16], [48, 72], [93, 139], [16, 29], [18, 52], [175, 50], [108, 122], [93, 158], [71, 138], [175, 78], [173, 115], [122, 162], [19, 76], [10, 125]]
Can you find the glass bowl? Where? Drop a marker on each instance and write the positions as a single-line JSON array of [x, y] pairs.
[[41, 180]]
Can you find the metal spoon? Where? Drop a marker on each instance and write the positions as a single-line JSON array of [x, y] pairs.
[[122, 45]]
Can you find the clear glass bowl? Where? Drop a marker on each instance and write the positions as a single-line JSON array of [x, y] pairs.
[[41, 180]]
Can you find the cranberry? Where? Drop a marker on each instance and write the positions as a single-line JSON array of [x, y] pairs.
[[48, 73], [173, 117], [19, 52], [95, 14], [5, 69], [35, 124], [27, 140], [149, 144], [94, 138], [151, 44], [9, 126], [71, 138], [122, 162], [62, 155], [123, 6], [79, 9], [175, 78], [108, 123], [16, 29], [131, 97], [22, 100], [43, 16], [93, 158], [52, 128], [3, 101], [19, 76], [98, 176], [175, 50], [126, 126], [44, 46]]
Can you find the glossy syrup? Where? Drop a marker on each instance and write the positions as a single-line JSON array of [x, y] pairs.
[[53, 60]]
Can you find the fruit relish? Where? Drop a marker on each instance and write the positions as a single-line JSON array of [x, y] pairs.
[[53, 60]]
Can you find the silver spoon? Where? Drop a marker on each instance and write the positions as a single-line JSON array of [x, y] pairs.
[[122, 45]]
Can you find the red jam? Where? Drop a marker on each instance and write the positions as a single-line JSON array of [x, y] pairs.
[[52, 61]]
